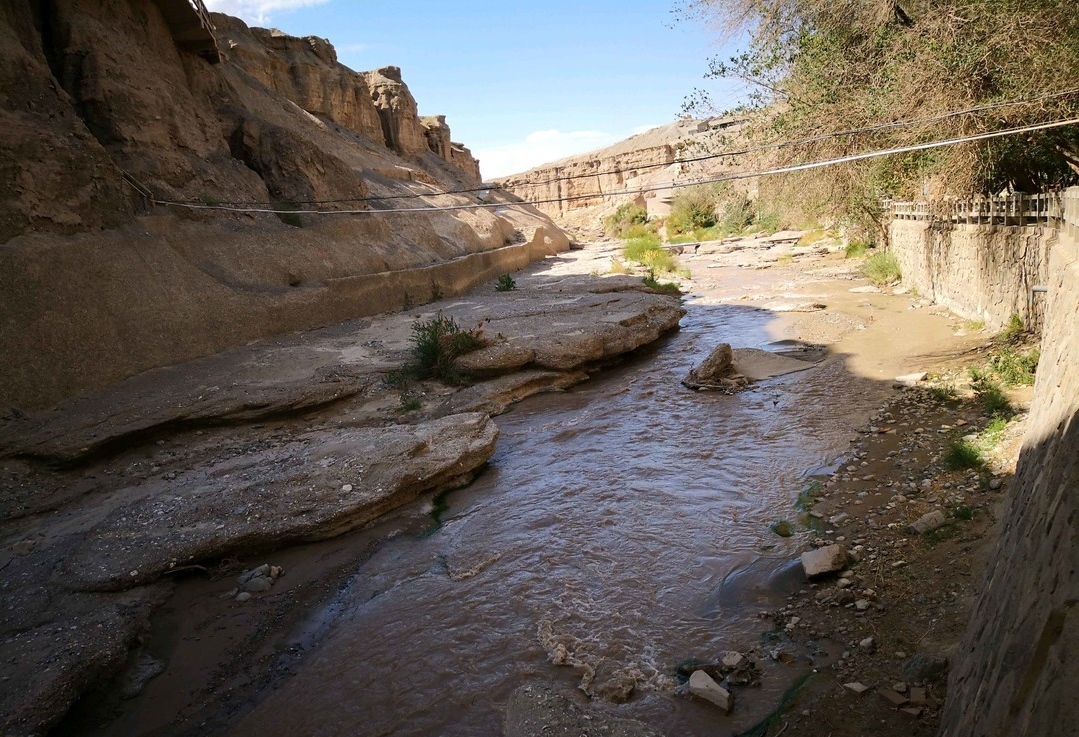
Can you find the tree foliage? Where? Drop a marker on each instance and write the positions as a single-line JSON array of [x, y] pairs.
[[822, 67]]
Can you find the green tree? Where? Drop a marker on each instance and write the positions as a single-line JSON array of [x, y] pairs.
[[818, 68]]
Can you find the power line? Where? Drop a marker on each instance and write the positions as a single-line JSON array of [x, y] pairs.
[[655, 188], [694, 159], [824, 136]]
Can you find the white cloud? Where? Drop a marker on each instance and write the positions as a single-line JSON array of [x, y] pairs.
[[538, 147], [259, 12]]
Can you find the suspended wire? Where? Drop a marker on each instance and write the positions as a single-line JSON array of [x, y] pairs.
[[824, 136], [693, 159], [655, 188]]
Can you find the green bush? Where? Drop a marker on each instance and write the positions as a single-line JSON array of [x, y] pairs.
[[1015, 369], [648, 252], [882, 268], [625, 217], [990, 395], [963, 454], [692, 208], [767, 222], [857, 249], [665, 287], [635, 248], [1014, 329], [505, 283], [434, 346], [409, 402]]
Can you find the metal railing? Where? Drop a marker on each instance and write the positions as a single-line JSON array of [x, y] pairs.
[[1013, 209]]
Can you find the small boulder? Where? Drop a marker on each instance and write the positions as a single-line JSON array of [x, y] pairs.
[[718, 364], [929, 521], [702, 686], [893, 698], [256, 572], [829, 559], [716, 372], [733, 659], [257, 585], [782, 528], [911, 379], [923, 667]]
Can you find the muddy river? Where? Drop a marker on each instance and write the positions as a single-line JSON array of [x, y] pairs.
[[608, 533]]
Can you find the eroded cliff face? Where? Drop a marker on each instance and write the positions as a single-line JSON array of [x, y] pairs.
[[641, 165], [96, 283], [94, 88]]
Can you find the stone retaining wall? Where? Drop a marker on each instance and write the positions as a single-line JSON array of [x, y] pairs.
[[1016, 672], [982, 272]]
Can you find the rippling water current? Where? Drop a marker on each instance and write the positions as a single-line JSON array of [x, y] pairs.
[[601, 535]]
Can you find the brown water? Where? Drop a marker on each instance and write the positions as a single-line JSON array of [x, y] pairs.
[[621, 526]]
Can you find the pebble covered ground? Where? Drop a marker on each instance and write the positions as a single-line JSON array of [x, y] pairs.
[[916, 532]]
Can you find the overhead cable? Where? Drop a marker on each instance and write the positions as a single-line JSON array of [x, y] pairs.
[[690, 160], [653, 188]]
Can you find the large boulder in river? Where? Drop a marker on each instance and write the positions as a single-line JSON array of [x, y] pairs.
[[716, 372]]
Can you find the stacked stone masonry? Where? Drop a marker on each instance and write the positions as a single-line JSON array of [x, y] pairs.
[[982, 272], [1015, 674]]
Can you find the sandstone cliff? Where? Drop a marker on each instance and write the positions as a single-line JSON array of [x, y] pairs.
[[576, 187], [97, 282]]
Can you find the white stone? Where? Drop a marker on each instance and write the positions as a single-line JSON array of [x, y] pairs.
[[733, 659], [702, 685], [929, 522], [856, 687], [828, 559]]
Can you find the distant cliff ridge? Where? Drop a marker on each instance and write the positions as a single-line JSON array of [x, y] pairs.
[[642, 163]]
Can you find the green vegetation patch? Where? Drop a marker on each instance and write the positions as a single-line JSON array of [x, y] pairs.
[[1013, 329], [782, 527], [857, 248], [882, 268], [1014, 368], [647, 251], [505, 283], [990, 394], [666, 287], [627, 216], [435, 344], [963, 454]]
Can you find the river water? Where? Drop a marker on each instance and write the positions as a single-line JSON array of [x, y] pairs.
[[608, 534]]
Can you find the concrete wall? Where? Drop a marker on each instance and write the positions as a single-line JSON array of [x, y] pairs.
[[1017, 670], [982, 272]]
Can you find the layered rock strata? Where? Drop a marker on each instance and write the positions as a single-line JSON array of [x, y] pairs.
[[100, 106], [640, 165]]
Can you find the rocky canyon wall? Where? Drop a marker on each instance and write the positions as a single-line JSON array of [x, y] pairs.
[[97, 283], [1015, 673], [640, 165]]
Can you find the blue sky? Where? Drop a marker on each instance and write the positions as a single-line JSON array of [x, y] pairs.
[[520, 83]]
